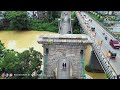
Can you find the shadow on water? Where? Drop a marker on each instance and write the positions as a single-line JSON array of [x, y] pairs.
[[93, 75]]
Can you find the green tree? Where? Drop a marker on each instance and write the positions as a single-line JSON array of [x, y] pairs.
[[2, 48], [30, 62], [18, 20], [26, 62], [52, 15], [76, 31], [76, 26], [9, 62], [8, 59]]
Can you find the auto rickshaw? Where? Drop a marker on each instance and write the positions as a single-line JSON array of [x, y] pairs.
[[93, 28], [113, 55]]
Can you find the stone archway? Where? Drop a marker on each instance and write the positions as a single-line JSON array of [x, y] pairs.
[[63, 73]]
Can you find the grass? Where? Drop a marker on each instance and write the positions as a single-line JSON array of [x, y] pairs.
[[96, 17], [118, 34]]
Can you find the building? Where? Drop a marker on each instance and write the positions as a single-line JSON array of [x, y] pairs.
[[41, 14], [106, 12], [1, 14], [117, 13], [37, 14]]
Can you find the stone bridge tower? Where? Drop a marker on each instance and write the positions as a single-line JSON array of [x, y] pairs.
[[68, 48]]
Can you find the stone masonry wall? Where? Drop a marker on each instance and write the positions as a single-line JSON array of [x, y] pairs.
[[69, 52]]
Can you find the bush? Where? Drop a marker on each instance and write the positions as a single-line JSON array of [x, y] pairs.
[[97, 17], [19, 20], [76, 26], [88, 69], [76, 31], [43, 26]]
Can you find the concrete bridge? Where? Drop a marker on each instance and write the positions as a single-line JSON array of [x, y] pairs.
[[65, 26], [110, 67], [67, 48]]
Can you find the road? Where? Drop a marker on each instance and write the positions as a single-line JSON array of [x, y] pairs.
[[105, 45], [65, 22], [64, 73]]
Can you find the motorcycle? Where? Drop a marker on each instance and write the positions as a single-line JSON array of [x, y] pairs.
[[103, 33], [105, 37]]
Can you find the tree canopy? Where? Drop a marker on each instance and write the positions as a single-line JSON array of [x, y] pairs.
[[27, 62], [18, 20]]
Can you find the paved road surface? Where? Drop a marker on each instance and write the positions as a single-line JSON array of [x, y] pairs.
[[63, 73], [105, 45], [65, 22], [65, 28]]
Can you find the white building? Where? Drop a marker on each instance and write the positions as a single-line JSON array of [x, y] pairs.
[[105, 12], [37, 14], [1, 14]]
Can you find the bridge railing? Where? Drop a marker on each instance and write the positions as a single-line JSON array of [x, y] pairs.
[[110, 72], [109, 31]]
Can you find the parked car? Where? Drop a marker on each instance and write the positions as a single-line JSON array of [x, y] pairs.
[[115, 44], [113, 54]]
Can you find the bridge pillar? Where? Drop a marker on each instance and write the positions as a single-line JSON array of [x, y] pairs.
[[94, 65], [68, 48]]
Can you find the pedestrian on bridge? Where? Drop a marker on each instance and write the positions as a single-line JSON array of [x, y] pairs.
[[94, 34], [108, 56], [63, 65]]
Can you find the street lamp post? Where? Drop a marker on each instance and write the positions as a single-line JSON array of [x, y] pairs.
[[71, 25], [59, 20], [82, 58]]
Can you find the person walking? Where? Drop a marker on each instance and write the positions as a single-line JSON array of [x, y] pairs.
[[95, 34], [63, 65]]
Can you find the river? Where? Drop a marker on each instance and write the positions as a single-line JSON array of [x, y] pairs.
[[93, 75], [22, 40]]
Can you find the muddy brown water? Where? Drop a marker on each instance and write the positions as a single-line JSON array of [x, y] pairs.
[[20, 41]]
